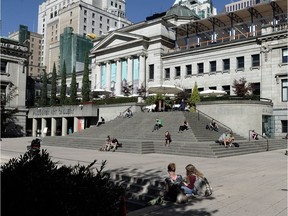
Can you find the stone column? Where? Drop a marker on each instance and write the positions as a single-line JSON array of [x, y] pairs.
[[98, 77], [43, 126], [64, 126], [118, 89], [142, 71], [34, 127], [53, 127], [130, 70], [75, 125], [108, 76]]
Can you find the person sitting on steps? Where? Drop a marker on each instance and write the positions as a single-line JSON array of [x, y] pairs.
[[213, 126], [168, 139], [101, 122], [254, 135], [183, 127], [157, 125]]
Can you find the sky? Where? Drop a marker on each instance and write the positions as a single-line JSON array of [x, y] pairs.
[[16, 12]]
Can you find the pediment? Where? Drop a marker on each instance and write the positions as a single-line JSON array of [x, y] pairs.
[[116, 39]]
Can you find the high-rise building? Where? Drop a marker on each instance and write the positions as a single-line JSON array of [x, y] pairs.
[[89, 18], [238, 5], [202, 8], [34, 42]]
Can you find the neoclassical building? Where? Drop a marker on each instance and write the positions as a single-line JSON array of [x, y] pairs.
[[180, 49]]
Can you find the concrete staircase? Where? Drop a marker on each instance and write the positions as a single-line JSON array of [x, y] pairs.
[[137, 137]]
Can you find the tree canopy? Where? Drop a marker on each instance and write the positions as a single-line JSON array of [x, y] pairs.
[[53, 86], [85, 80]]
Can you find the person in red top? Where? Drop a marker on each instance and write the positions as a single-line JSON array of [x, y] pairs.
[[193, 177]]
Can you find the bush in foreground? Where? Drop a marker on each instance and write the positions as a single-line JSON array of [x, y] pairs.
[[38, 186]]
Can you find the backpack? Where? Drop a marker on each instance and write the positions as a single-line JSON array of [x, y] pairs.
[[203, 187]]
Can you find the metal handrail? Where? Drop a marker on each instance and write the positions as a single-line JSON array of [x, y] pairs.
[[225, 126], [267, 146]]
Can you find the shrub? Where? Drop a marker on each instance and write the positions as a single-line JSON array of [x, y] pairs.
[[38, 186]]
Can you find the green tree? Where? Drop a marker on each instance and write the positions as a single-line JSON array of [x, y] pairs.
[[44, 98], [73, 88], [195, 95], [85, 80], [241, 87], [53, 87], [7, 114], [63, 85], [67, 190]]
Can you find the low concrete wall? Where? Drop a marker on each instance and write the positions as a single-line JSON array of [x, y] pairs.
[[240, 116]]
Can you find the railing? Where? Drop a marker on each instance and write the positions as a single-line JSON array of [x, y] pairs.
[[267, 146], [219, 123]]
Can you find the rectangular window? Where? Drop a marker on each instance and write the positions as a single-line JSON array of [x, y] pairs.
[[188, 70], [85, 12], [240, 62], [200, 68], [226, 88], [255, 60], [213, 88], [285, 90], [100, 25], [167, 73], [93, 15], [108, 21], [151, 72], [213, 66], [177, 71], [226, 64], [3, 66], [285, 55], [84, 28], [85, 20], [70, 21], [100, 18], [255, 88], [93, 23], [284, 124]]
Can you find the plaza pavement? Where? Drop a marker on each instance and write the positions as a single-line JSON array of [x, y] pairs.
[[250, 185]]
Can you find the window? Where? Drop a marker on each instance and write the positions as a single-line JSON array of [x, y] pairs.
[[71, 13], [93, 22], [100, 18], [108, 28], [213, 88], [240, 62], [177, 71], [100, 25], [85, 12], [108, 21], [188, 70], [93, 15], [51, 15], [167, 73], [200, 68], [111, 3], [84, 28], [200, 89], [256, 60], [70, 21], [285, 55], [285, 90], [115, 24], [213, 66], [255, 88], [151, 72], [85, 20], [226, 89], [3, 66], [226, 64], [93, 31], [284, 124]]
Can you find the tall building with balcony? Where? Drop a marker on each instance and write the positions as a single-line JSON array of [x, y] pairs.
[[33, 41], [89, 18]]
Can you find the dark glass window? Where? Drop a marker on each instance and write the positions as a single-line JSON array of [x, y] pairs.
[[285, 56], [226, 64], [188, 70], [151, 71], [240, 62], [284, 124], [177, 71], [255, 60], [213, 66], [167, 73], [200, 68]]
